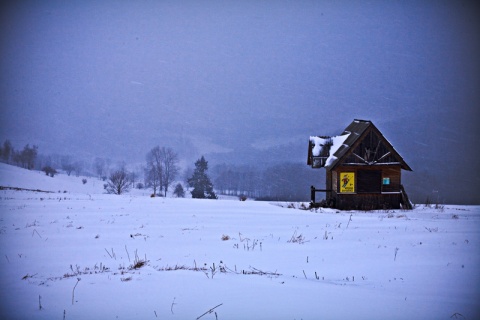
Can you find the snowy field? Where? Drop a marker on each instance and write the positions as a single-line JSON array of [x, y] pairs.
[[77, 253]]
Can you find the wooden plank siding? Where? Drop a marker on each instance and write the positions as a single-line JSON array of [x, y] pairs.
[[381, 196], [395, 175], [330, 184], [368, 201]]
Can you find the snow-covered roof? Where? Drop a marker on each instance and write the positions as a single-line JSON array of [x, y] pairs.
[[327, 146], [332, 149]]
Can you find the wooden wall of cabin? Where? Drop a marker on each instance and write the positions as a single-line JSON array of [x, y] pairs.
[[394, 173], [387, 197], [368, 201], [329, 184]]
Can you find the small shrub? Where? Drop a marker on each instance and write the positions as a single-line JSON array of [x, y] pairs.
[[84, 181], [242, 197], [138, 264], [140, 186], [49, 171], [225, 237]]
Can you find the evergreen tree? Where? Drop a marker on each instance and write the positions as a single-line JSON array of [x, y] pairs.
[[202, 186], [179, 192]]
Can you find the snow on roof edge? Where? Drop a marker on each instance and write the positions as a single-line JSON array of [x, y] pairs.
[[334, 144]]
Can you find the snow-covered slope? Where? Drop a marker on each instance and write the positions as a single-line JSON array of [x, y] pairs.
[[11, 176], [89, 255]]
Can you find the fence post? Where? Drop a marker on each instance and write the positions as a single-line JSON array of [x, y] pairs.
[[312, 194]]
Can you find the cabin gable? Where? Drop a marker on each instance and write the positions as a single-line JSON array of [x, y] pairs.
[[370, 150]]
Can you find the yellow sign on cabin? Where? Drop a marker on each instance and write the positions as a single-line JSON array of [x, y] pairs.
[[347, 182]]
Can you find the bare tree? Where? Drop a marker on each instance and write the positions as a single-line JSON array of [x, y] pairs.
[[67, 165], [78, 167], [161, 170], [170, 167], [28, 156], [118, 182], [154, 170], [152, 178], [100, 167], [133, 178]]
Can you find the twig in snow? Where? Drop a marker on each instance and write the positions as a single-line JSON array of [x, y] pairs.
[[73, 291], [173, 303], [304, 274], [297, 239], [349, 221], [28, 276], [127, 253], [396, 250], [209, 311], [40, 302], [240, 236], [35, 230], [113, 256]]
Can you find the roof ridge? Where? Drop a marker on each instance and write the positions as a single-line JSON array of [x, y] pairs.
[[361, 120]]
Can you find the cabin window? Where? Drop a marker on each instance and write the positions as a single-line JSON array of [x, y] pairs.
[[318, 162], [369, 181], [386, 181]]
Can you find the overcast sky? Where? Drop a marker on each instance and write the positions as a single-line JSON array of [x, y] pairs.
[[115, 78]]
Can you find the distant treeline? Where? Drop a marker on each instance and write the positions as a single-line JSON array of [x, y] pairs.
[[24, 158], [279, 182]]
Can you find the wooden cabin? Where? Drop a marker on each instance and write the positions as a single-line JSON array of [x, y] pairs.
[[363, 170]]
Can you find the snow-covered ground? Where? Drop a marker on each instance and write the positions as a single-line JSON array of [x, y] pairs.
[[82, 254]]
